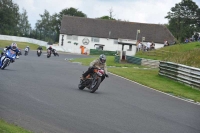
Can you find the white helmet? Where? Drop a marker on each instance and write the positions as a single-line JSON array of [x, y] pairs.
[[14, 46]]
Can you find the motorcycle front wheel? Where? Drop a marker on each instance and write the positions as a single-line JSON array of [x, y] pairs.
[[5, 63], [95, 85]]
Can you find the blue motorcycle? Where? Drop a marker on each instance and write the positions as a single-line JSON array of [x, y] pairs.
[[8, 57]]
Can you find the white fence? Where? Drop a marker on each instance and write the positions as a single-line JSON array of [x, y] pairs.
[[23, 39], [181, 73]]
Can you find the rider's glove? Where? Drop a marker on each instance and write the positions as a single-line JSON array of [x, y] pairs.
[[106, 75]]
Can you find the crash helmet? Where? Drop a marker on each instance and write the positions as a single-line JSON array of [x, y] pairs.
[[14, 46], [102, 58]]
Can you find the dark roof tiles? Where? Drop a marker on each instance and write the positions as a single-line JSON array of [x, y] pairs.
[[119, 29]]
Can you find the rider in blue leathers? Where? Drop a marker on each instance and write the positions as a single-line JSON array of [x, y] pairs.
[[14, 48]]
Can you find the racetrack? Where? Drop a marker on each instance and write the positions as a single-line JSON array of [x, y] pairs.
[[41, 94]]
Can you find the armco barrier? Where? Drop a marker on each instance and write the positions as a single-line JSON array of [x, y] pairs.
[[23, 39], [98, 52], [142, 61], [182, 73], [134, 60], [117, 59]]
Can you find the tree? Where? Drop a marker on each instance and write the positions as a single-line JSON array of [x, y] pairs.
[[45, 27], [110, 17], [9, 16], [57, 18], [48, 28], [24, 25], [183, 19], [106, 17]]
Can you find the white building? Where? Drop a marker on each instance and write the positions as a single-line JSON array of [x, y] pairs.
[[79, 34]]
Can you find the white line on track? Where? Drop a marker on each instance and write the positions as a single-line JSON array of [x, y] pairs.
[[187, 100]]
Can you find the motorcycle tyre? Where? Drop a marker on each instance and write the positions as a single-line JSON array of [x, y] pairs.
[[80, 86], [92, 90], [38, 54], [5, 64]]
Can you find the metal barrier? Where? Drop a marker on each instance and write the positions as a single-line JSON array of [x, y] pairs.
[[23, 39], [182, 73]]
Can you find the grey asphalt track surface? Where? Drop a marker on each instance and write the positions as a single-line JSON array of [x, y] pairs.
[[42, 95]]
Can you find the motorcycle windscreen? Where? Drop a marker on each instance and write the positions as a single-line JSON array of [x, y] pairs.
[[11, 54]]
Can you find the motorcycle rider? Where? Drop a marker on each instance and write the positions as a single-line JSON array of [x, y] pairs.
[[98, 63], [27, 47], [14, 48], [40, 48], [54, 52], [50, 48]]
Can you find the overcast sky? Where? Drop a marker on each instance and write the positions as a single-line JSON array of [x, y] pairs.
[[144, 11]]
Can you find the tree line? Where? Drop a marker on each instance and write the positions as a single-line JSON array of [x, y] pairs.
[[183, 21]]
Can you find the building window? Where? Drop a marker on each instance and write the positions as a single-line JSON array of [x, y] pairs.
[[115, 42], [72, 37], [130, 48], [94, 39], [69, 37], [75, 37]]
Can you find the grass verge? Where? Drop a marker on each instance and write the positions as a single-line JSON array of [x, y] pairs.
[[187, 54], [10, 128], [148, 77], [21, 45]]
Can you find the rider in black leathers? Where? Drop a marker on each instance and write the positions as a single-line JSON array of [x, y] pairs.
[[39, 48]]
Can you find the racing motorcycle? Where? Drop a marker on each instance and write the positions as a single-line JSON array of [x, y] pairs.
[[55, 52], [39, 52], [8, 57], [48, 53], [26, 51], [92, 80]]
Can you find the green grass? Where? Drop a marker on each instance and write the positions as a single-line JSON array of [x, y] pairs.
[[109, 62], [21, 45], [187, 54], [148, 77], [11, 128]]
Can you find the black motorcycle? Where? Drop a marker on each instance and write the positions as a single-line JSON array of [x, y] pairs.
[[92, 80], [55, 53], [48, 53], [39, 52]]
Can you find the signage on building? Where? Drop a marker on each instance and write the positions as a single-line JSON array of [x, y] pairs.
[[85, 41]]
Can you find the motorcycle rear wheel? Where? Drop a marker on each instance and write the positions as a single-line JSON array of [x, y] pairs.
[[80, 86]]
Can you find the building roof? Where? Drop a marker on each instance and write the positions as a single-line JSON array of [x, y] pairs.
[[113, 29]]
